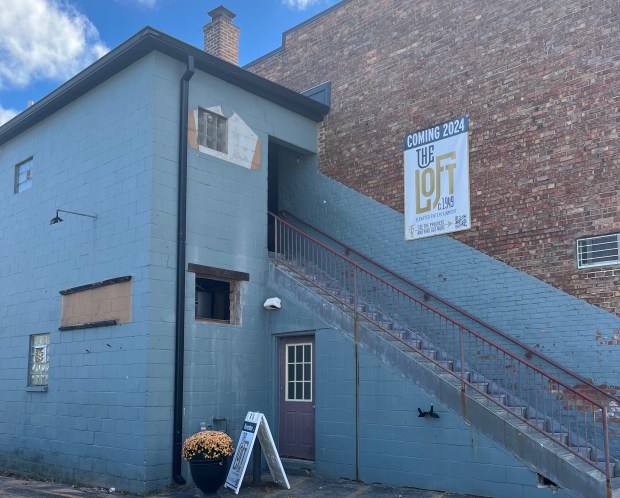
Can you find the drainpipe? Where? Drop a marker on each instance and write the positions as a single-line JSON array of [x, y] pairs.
[[179, 356]]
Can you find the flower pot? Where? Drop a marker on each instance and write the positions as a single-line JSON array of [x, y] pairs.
[[208, 474]]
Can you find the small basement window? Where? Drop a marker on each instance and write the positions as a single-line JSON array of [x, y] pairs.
[[598, 251], [212, 131], [218, 294]]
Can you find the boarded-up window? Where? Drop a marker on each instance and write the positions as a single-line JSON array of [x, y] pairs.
[[98, 304]]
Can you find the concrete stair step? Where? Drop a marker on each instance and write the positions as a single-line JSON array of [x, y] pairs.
[[537, 422], [500, 398], [519, 410], [489, 394], [481, 386]]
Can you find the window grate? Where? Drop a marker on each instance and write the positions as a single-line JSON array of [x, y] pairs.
[[598, 251]]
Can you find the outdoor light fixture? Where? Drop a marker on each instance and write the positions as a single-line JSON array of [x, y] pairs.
[[58, 219], [273, 303]]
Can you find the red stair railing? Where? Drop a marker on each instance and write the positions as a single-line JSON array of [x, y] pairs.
[[521, 349], [545, 403]]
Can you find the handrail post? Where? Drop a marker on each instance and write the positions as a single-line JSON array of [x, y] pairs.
[[606, 447], [355, 293], [276, 222], [462, 347]]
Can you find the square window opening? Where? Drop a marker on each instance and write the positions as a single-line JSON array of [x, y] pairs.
[[38, 364], [218, 293], [212, 131], [214, 299]]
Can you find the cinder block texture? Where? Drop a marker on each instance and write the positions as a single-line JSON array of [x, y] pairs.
[[107, 416], [538, 82], [90, 157], [539, 315]]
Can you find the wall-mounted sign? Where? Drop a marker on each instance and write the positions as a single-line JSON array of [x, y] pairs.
[[255, 424], [437, 179]]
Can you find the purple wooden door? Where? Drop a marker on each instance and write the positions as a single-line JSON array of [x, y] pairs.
[[296, 429]]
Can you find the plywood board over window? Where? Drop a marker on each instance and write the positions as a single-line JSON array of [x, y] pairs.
[[97, 304]]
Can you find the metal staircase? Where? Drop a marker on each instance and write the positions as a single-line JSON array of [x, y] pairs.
[[497, 384]]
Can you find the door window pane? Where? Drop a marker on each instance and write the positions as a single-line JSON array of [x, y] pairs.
[[299, 372]]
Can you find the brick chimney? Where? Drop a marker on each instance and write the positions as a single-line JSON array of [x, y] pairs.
[[222, 36]]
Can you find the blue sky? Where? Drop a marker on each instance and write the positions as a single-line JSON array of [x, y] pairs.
[[45, 42]]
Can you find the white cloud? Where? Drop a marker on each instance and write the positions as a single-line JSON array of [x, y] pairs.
[[300, 4], [44, 39], [149, 4], [6, 114]]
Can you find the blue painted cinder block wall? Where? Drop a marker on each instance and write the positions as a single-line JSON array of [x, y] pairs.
[[106, 418], [227, 367], [541, 316], [91, 157], [394, 445]]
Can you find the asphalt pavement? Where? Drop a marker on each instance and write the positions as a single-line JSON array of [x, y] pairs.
[[301, 486]]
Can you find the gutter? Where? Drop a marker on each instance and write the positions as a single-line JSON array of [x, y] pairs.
[[179, 357]]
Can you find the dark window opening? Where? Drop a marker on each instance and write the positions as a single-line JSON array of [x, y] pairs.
[[218, 293], [213, 299]]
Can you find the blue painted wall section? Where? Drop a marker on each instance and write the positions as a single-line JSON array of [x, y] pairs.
[[106, 418], [91, 157], [227, 367], [535, 313], [395, 445]]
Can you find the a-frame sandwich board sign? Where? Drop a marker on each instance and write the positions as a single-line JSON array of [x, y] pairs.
[[255, 425]]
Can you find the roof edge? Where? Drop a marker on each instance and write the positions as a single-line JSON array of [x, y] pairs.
[[138, 46]]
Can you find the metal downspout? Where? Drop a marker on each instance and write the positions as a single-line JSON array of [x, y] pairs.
[[179, 356]]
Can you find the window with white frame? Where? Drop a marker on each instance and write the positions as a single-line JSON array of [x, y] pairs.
[[23, 176], [299, 372], [39, 360], [598, 251], [212, 131]]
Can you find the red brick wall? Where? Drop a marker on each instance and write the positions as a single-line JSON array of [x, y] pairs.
[[541, 83]]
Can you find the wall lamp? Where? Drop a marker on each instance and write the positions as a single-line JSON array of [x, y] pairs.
[[273, 303], [58, 219]]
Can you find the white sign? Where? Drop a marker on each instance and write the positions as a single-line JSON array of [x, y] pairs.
[[437, 180], [255, 424]]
